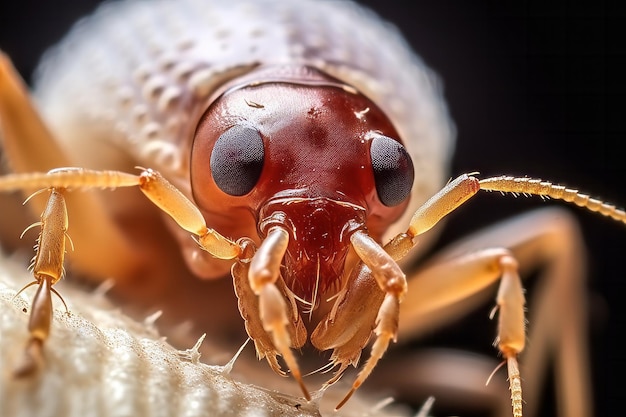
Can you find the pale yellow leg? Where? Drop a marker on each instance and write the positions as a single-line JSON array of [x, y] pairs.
[[557, 327], [49, 259], [457, 279], [47, 269]]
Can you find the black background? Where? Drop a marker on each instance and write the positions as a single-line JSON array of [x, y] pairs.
[[535, 89]]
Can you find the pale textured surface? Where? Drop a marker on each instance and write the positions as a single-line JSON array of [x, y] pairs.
[[101, 363]]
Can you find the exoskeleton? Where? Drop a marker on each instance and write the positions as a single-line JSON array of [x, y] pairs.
[[278, 145]]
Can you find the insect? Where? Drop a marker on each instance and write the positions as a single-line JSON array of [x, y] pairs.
[[306, 294]]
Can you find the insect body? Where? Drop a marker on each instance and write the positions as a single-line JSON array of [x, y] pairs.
[[302, 155]]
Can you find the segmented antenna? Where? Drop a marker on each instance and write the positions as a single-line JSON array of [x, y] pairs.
[[533, 186]]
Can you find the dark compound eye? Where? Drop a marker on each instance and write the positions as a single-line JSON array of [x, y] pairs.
[[393, 170], [237, 160]]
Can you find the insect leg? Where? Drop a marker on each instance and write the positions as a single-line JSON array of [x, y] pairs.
[[426, 217], [169, 199], [458, 278], [47, 269], [549, 239]]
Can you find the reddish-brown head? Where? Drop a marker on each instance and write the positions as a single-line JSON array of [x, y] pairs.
[[294, 147]]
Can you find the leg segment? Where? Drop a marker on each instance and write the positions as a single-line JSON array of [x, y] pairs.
[[548, 238], [48, 262], [151, 183], [47, 269], [459, 278]]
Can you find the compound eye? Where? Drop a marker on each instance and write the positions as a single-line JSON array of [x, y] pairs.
[[237, 160], [393, 170]]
